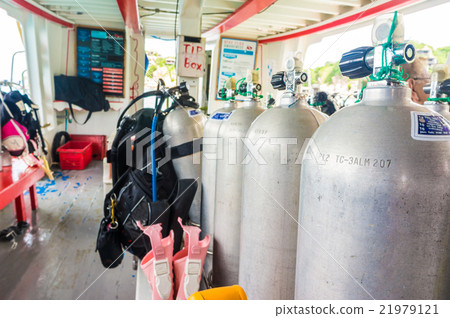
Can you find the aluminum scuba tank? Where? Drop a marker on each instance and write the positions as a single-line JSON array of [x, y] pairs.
[[227, 217], [270, 191], [375, 202], [183, 125], [210, 145], [374, 210]]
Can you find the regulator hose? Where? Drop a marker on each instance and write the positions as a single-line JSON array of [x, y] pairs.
[[163, 96], [134, 101], [152, 149]]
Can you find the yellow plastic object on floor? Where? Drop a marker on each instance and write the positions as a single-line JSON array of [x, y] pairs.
[[234, 292]]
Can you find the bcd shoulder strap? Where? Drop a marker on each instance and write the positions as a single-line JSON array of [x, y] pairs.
[[186, 149]]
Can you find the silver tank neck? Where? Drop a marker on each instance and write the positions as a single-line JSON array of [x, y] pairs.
[[386, 93], [437, 107], [251, 103], [230, 104], [290, 100]]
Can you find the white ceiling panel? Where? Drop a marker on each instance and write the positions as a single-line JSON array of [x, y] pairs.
[[103, 13]]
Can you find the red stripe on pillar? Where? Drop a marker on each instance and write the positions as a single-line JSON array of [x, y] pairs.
[[130, 14]]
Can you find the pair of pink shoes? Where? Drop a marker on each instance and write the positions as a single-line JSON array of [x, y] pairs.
[[160, 266]]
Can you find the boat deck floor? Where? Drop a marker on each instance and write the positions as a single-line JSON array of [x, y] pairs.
[[56, 258]]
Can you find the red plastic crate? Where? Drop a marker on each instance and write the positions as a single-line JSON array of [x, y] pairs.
[[98, 144], [75, 155]]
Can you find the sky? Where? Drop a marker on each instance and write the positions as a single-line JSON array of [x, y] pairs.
[[163, 47], [11, 43]]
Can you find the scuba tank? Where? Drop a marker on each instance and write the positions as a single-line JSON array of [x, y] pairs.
[[374, 198], [439, 91], [210, 146], [268, 232], [183, 127], [227, 217]]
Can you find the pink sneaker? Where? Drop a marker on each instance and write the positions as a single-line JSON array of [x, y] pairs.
[[188, 262], [157, 264]]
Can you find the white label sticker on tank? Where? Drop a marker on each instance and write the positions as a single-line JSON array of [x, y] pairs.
[[194, 112], [221, 116], [429, 127]]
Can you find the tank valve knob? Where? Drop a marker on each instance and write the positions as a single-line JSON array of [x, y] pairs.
[[355, 63], [184, 87], [444, 88], [243, 88], [278, 82], [302, 78], [223, 92]]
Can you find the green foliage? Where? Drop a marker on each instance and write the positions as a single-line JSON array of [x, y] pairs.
[[419, 45], [151, 69], [324, 74], [158, 62], [440, 53]]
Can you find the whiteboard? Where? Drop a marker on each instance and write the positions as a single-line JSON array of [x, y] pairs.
[[236, 58]]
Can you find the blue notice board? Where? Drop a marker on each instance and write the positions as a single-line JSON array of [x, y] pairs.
[[236, 57], [100, 57]]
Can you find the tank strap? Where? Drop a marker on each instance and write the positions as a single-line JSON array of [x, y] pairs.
[[186, 149]]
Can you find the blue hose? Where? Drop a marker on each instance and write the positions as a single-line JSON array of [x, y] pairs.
[[152, 149]]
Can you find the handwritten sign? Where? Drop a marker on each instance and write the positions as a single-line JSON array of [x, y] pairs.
[[236, 58], [191, 57]]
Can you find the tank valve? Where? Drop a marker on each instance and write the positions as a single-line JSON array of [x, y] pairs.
[[251, 87], [387, 52], [228, 91], [439, 86], [291, 78]]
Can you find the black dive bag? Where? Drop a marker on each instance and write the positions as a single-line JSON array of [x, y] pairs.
[[82, 92], [132, 185]]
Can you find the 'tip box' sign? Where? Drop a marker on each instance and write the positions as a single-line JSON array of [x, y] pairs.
[[191, 56]]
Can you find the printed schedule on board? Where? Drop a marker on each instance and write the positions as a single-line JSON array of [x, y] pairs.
[[100, 57]]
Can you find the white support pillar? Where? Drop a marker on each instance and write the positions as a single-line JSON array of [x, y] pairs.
[[190, 18], [40, 74]]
